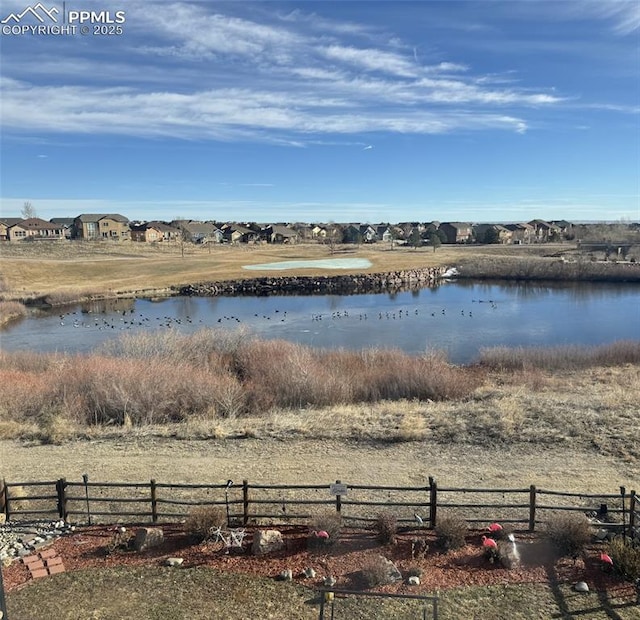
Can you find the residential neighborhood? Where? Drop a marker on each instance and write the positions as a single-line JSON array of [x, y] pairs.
[[116, 227]]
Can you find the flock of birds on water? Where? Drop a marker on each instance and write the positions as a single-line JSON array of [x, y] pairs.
[[130, 319]]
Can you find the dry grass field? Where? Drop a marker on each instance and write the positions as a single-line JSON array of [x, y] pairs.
[[36, 270]]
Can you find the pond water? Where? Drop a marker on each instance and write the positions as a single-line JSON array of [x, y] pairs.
[[458, 318]]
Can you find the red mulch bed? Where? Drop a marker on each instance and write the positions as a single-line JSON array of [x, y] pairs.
[[87, 548]]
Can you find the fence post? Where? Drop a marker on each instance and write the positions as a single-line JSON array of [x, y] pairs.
[[338, 499], [623, 495], [154, 501], [3, 497], [633, 511], [61, 490], [245, 502], [532, 507], [433, 502], [7, 501]]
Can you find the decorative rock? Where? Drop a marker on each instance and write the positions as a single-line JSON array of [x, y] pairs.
[[309, 573], [174, 561], [414, 580], [148, 537], [267, 541], [391, 570], [602, 534], [329, 582], [285, 575], [581, 586]]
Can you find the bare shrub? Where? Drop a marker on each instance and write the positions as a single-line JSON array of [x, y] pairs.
[[626, 558], [280, 374], [64, 296], [386, 527], [10, 310], [143, 391], [451, 531], [378, 572], [565, 357], [28, 395], [55, 427], [203, 520], [28, 361], [329, 522], [569, 533], [414, 571], [541, 268]]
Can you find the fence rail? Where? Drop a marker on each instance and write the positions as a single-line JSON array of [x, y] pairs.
[[246, 503]]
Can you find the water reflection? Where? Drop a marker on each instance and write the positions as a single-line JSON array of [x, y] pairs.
[[457, 317]]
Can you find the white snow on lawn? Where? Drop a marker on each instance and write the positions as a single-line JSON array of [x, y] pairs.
[[328, 263]]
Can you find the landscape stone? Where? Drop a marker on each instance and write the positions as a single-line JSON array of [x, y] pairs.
[[414, 580], [392, 572], [581, 586], [309, 573], [148, 537], [174, 561], [285, 575], [267, 541]]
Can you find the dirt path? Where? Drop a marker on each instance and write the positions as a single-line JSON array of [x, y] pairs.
[[304, 461]]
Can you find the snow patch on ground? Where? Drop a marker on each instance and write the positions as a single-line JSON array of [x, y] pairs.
[[329, 263]]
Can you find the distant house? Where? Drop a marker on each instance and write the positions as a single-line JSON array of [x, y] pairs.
[[145, 233], [235, 233], [66, 223], [457, 232], [169, 233], [303, 230], [195, 231], [318, 232], [566, 228], [5, 224], [544, 231], [101, 226], [520, 233], [359, 233], [153, 232], [491, 233], [277, 233], [34, 228], [384, 233]]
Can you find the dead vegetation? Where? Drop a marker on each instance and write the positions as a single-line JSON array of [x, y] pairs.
[[228, 387]]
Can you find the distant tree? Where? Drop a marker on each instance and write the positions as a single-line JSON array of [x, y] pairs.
[[434, 240], [396, 234], [334, 236], [491, 235], [27, 211], [415, 240], [185, 237]]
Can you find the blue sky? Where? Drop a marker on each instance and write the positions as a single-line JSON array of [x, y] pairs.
[[327, 111]]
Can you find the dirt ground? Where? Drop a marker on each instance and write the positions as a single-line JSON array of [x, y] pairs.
[[272, 461]]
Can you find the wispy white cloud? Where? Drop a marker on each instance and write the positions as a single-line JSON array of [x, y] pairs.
[[372, 60], [294, 79]]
